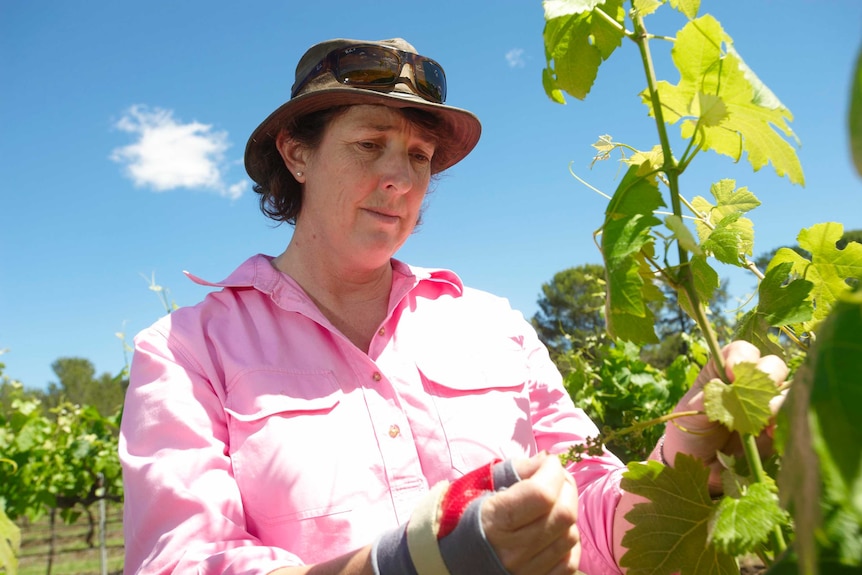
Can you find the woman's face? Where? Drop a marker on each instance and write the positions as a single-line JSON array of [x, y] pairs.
[[364, 186]]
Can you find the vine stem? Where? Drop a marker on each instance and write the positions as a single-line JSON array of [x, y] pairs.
[[749, 444], [686, 280], [656, 421], [573, 454], [672, 171], [749, 265]]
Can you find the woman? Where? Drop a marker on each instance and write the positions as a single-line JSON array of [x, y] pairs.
[[334, 410]]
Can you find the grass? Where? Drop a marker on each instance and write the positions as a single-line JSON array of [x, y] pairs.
[[72, 554]]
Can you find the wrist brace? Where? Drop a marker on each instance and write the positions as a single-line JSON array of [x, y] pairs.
[[444, 535]]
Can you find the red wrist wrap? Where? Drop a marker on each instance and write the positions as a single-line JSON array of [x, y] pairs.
[[461, 493]]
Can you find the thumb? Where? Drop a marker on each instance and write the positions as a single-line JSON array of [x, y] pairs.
[[527, 467]]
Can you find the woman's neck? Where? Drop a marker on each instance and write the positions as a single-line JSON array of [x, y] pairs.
[[354, 300]]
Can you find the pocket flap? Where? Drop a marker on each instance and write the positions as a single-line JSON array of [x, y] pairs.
[[461, 373], [258, 394]]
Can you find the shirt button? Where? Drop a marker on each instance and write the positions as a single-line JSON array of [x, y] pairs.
[[394, 431], [376, 376], [381, 332]]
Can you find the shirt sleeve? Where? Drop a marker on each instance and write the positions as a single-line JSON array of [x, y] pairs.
[[557, 424], [183, 512]]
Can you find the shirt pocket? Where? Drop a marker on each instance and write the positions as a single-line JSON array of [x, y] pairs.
[[284, 445], [484, 406]]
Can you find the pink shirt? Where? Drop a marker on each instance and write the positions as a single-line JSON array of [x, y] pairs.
[[256, 436]]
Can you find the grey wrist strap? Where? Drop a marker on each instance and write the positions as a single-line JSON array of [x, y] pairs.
[[466, 550], [504, 475], [390, 556]]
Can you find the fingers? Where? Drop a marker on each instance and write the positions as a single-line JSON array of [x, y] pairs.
[[527, 467], [532, 525], [739, 352], [774, 367], [563, 555], [744, 352], [549, 542], [526, 501]]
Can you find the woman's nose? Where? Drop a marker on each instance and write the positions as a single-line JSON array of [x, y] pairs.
[[396, 173]]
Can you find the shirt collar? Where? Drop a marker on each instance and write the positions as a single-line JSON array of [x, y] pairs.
[[257, 272]]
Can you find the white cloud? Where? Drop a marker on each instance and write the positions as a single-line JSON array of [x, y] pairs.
[[168, 154], [515, 58]]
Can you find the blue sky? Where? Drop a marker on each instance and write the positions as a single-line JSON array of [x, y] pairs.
[[123, 124]]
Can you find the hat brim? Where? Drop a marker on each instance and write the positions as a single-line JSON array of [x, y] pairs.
[[459, 132]]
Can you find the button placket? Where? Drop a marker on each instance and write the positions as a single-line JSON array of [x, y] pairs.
[[396, 443]]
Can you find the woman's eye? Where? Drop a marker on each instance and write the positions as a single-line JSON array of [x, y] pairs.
[[422, 157]]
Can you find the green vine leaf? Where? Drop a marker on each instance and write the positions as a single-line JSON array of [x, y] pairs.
[[626, 238], [783, 302], [829, 268], [752, 327], [669, 534], [837, 394], [728, 200], [743, 522], [554, 93], [688, 7], [710, 109], [648, 162], [820, 422], [731, 240], [751, 119], [577, 41], [604, 146], [706, 281], [743, 406], [682, 234], [725, 233], [646, 7], [855, 115], [10, 544]]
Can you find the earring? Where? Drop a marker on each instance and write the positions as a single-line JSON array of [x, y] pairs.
[[299, 174]]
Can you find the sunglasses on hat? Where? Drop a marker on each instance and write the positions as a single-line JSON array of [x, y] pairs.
[[371, 66]]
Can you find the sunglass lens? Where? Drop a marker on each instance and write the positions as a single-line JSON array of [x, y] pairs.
[[430, 79], [367, 65]]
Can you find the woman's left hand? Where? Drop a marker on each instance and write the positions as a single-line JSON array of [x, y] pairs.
[[698, 436]]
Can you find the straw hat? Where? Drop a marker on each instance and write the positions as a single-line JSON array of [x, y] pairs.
[[459, 131]]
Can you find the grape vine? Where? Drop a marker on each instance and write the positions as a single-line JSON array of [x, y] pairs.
[[721, 106], [60, 460]]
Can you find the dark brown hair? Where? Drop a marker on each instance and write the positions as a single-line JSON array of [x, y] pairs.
[[281, 194]]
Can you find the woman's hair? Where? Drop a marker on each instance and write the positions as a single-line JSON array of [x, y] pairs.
[[281, 194]]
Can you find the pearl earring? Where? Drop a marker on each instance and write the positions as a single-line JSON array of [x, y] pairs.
[[298, 173]]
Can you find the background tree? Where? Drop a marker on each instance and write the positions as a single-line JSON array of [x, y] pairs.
[[571, 317], [675, 328], [571, 309], [79, 385]]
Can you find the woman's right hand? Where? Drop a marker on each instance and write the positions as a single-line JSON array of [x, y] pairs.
[[696, 435], [532, 524]]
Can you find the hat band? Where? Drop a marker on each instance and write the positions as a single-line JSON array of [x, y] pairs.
[[379, 67]]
